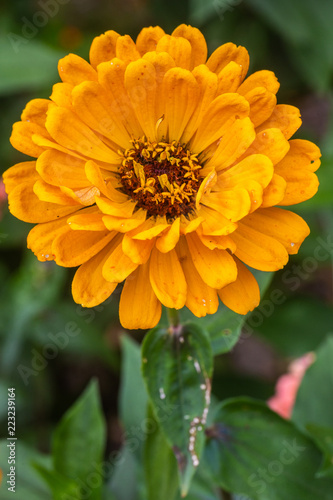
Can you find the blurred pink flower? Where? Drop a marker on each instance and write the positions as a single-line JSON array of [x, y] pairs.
[[3, 196], [287, 386]]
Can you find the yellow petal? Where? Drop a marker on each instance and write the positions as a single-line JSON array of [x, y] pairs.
[[73, 248], [94, 175], [87, 219], [220, 242], [263, 78], [21, 138], [234, 204], [24, 204], [216, 267], [189, 225], [60, 169], [118, 266], [297, 169], [201, 299], [150, 228], [274, 193], [197, 41], [48, 193], [126, 49], [85, 196], [167, 278], [262, 104], [286, 118], [270, 142], [232, 145], [137, 250], [227, 53], [109, 207], [103, 48], [91, 104], [284, 226], [74, 70], [178, 48], [148, 38], [111, 77], [214, 223], [20, 173], [169, 238], [35, 111], [243, 295], [255, 167], [140, 83], [69, 131], [258, 250], [229, 78], [41, 237], [139, 306], [219, 116], [89, 288], [207, 82], [181, 97], [62, 94], [123, 225]]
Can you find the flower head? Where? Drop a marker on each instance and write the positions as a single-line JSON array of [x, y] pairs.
[[159, 167]]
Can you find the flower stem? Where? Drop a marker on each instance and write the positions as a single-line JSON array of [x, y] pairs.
[[174, 320]]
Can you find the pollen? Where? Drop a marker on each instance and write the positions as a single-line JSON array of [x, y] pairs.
[[163, 178]]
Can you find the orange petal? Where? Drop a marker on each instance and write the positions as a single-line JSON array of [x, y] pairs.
[[91, 104], [21, 138], [35, 111], [286, 118], [258, 250], [41, 237], [60, 169], [232, 145], [270, 142], [103, 48], [137, 250], [48, 193], [216, 267], [94, 175], [139, 306], [73, 248], [148, 38], [234, 204], [229, 78], [182, 94], [87, 219], [109, 207], [207, 82], [74, 70], [111, 76], [167, 278], [220, 242], [89, 288], [178, 48], [197, 41], [123, 225], [227, 53], [140, 83], [126, 49], [24, 204], [169, 238], [118, 266], [263, 78], [243, 295], [274, 193], [69, 131], [287, 228], [214, 223], [257, 168], [62, 94], [219, 116], [20, 173], [201, 299], [262, 104]]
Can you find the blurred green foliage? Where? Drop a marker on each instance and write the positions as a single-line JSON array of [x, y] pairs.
[[50, 348]]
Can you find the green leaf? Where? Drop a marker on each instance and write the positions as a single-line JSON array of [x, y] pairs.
[[133, 395], [124, 482], [79, 441], [313, 403], [177, 368], [323, 437], [160, 465], [254, 452], [26, 64], [61, 486], [29, 484]]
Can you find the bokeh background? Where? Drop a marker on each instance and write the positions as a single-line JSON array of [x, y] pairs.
[[293, 38]]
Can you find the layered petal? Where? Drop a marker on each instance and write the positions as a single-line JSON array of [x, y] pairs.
[[197, 42], [103, 48]]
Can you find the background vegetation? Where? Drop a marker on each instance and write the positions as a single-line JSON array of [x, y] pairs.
[[50, 348]]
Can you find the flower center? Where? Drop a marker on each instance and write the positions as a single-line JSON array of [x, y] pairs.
[[163, 178]]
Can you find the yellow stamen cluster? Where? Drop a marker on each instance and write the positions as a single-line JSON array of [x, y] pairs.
[[161, 177]]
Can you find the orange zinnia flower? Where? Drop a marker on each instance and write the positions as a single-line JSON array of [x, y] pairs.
[[162, 168]]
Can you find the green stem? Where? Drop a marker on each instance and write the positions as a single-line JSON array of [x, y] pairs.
[[174, 318]]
